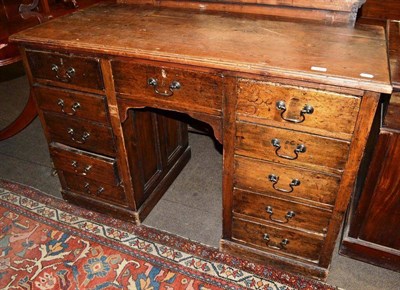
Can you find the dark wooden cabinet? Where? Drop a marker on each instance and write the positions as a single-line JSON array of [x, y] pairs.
[[371, 231], [378, 11]]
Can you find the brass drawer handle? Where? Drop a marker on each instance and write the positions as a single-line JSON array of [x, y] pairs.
[[85, 170], [307, 109], [98, 191], [289, 215], [175, 85], [301, 148], [63, 75], [275, 246], [80, 140], [274, 179], [74, 107]]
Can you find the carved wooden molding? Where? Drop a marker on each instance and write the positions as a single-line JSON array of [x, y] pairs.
[[215, 122]]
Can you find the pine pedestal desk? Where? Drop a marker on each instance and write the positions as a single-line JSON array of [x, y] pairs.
[[292, 104]]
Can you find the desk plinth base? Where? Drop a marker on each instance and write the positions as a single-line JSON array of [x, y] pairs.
[[284, 263]]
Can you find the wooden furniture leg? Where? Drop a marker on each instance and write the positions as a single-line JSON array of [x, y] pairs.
[[45, 7], [22, 121]]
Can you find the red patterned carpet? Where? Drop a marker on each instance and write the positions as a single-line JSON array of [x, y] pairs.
[[46, 243]]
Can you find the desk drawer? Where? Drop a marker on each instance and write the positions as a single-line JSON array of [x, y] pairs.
[[91, 166], [82, 134], [72, 104], [286, 181], [307, 108], [94, 189], [62, 69], [290, 147], [168, 88], [279, 211], [277, 240]]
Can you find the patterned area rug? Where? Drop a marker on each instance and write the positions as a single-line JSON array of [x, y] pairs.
[[46, 243]]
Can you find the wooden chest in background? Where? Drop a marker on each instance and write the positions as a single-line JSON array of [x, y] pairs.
[[371, 232]]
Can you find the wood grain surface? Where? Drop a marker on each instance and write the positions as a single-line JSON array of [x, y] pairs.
[[116, 48], [306, 218], [198, 91], [393, 30], [95, 189], [86, 70], [331, 112], [328, 55], [102, 169], [300, 244], [333, 12], [91, 107], [315, 188], [100, 139], [322, 154], [392, 118]]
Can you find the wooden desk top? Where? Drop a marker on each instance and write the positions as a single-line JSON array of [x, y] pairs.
[[224, 42], [393, 29]]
